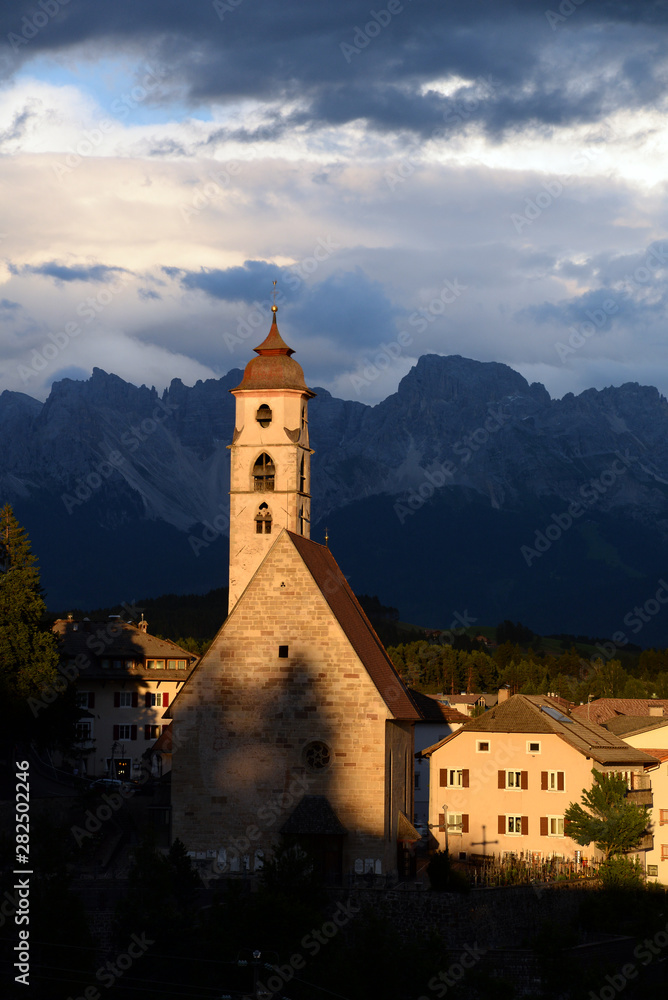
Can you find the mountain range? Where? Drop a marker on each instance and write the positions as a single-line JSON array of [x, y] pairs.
[[467, 496]]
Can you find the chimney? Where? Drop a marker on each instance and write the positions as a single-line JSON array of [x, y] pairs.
[[142, 625], [504, 694]]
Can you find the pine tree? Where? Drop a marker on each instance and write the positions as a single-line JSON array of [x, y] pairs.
[[28, 649]]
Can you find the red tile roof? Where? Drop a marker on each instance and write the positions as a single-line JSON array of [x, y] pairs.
[[538, 714], [335, 589], [606, 708], [661, 753], [432, 709]]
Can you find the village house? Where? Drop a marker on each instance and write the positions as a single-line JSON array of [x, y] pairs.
[[649, 733], [438, 720], [501, 784], [125, 681], [295, 723]]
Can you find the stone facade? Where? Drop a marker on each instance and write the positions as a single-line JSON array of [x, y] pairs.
[[282, 678]]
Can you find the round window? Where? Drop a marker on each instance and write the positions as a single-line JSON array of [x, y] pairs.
[[317, 755]]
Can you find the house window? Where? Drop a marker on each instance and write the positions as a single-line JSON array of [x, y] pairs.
[[555, 826], [514, 825], [85, 699], [664, 852], [514, 779], [663, 817], [84, 731], [283, 652], [105, 664], [264, 472], [457, 822], [155, 664], [652, 871], [482, 746], [125, 699], [156, 699], [151, 732], [454, 777], [553, 781], [117, 664], [125, 733], [317, 755], [263, 415], [180, 664], [533, 747], [263, 520]]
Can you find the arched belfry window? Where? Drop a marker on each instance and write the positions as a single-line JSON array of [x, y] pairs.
[[264, 472], [263, 415], [302, 477], [263, 520]]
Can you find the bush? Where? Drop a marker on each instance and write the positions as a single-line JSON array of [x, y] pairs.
[[621, 873]]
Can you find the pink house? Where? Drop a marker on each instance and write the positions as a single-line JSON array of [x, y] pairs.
[[501, 783]]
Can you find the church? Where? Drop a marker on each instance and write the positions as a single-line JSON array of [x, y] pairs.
[[295, 725]]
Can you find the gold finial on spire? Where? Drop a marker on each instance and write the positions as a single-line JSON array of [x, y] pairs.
[[274, 308], [327, 537]]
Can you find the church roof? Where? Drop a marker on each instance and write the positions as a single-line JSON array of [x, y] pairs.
[[348, 612], [274, 368]]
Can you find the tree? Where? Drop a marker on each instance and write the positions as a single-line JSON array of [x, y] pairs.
[[606, 818], [28, 651], [28, 648]]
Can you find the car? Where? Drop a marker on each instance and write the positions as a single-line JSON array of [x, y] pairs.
[[106, 783]]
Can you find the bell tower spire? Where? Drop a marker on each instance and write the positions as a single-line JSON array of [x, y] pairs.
[[270, 474]]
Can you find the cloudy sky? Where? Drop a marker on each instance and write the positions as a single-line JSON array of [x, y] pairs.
[[476, 177]]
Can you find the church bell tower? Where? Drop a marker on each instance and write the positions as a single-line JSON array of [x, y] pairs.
[[270, 469]]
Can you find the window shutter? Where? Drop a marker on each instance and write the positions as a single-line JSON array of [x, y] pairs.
[[502, 824], [465, 778], [465, 823], [525, 780], [502, 779], [117, 700], [147, 701], [135, 699], [91, 699], [147, 732], [543, 826], [560, 781], [165, 699], [133, 732], [441, 821], [543, 780], [525, 826], [115, 736], [443, 777]]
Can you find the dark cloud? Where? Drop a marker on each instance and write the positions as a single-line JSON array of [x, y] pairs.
[[339, 63], [8, 306], [235, 284], [64, 272]]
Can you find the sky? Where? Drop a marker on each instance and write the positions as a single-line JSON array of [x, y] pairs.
[[477, 177]]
